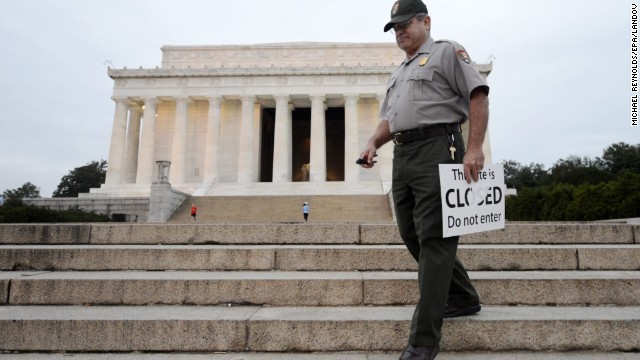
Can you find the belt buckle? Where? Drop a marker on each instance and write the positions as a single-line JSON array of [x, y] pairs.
[[395, 138]]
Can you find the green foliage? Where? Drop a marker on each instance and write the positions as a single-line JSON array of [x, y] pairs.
[[577, 189], [615, 199], [576, 170], [78, 180], [81, 179], [520, 176], [619, 157], [27, 190], [16, 212]]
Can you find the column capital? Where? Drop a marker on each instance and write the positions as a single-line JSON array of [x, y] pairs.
[[150, 100], [351, 96], [135, 107], [215, 103], [286, 98], [252, 98], [316, 98], [182, 98], [121, 99]]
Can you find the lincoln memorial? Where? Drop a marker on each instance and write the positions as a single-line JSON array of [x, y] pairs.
[[272, 119]]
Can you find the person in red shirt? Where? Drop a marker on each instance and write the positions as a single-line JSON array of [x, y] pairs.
[[194, 211]]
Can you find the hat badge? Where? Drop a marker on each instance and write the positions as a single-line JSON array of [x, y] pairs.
[[395, 8]]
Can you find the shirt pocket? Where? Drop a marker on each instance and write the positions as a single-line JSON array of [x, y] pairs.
[[391, 83], [420, 84]]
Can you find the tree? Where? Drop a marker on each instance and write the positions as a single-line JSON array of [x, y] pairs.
[[81, 179], [511, 169], [577, 188], [576, 171], [520, 176], [616, 199], [622, 156], [28, 190]]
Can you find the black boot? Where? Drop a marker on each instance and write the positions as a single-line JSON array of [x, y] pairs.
[[420, 352]]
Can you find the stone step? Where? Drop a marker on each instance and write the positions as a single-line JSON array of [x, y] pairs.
[[541, 355], [317, 233], [309, 257], [307, 329], [286, 208], [276, 288]]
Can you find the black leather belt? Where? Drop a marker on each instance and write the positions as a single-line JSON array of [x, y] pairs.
[[424, 132]]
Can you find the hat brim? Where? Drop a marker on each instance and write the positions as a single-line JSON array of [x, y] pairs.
[[396, 20]]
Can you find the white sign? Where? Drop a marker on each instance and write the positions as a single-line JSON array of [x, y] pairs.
[[475, 207]]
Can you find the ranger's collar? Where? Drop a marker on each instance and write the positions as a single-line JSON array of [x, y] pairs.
[[424, 49]]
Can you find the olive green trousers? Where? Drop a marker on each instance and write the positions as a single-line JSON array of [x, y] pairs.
[[442, 278]]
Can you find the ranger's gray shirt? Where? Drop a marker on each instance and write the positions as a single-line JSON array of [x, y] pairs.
[[433, 87]]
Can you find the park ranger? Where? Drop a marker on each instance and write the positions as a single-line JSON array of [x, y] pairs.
[[428, 97]]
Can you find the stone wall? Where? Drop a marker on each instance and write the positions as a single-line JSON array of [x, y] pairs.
[[163, 202], [132, 209]]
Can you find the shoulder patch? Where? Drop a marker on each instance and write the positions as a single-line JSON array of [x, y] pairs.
[[463, 56], [461, 53]]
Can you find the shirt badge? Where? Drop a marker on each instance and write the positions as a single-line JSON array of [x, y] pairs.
[[423, 61], [463, 56]]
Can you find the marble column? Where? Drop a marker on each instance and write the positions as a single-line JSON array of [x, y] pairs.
[[115, 171], [385, 153], [282, 151], [133, 143], [318, 156], [178, 170], [212, 147], [245, 160], [351, 149], [146, 153]]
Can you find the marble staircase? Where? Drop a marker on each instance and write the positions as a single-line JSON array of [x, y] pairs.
[[232, 291], [372, 208]]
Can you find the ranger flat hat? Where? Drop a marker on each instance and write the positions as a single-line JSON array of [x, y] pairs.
[[404, 10]]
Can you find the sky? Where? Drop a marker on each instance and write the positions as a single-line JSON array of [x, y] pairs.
[[560, 86]]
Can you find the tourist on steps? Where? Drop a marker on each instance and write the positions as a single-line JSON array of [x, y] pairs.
[[305, 211], [194, 211]]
